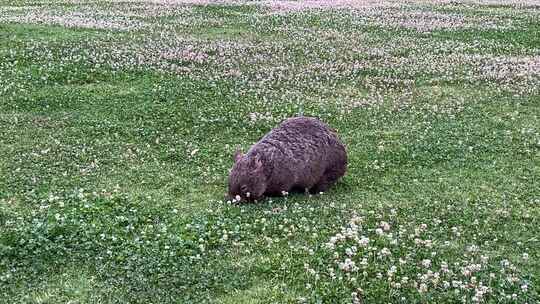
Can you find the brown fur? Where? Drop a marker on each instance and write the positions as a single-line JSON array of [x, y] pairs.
[[302, 153]]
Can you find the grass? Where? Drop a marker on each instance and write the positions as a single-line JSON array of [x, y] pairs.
[[115, 146]]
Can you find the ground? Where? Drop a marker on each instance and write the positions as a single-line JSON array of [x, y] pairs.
[[119, 119]]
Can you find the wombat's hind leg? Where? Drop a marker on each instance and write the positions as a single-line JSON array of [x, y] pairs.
[[321, 186], [330, 176], [297, 189]]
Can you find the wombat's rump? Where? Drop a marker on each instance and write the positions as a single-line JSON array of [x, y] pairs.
[[302, 153]]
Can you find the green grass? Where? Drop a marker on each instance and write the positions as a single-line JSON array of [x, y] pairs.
[[113, 174]]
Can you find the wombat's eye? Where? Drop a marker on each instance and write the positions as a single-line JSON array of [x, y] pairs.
[[244, 188]]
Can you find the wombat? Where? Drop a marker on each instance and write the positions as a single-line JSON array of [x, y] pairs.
[[301, 154]]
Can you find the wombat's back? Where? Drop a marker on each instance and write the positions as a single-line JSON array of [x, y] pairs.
[[299, 153]]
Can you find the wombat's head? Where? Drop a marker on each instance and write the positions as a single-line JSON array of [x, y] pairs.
[[247, 181]]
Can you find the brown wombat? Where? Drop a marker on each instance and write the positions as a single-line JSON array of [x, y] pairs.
[[301, 154]]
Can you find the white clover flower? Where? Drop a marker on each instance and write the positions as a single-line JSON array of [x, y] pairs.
[[426, 263], [348, 265], [349, 233], [391, 271], [350, 251], [456, 284], [512, 279], [363, 242], [484, 259], [355, 298], [364, 262], [385, 226], [385, 251], [472, 248], [356, 219], [331, 273]]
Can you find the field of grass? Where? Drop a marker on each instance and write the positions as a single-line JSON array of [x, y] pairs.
[[118, 121]]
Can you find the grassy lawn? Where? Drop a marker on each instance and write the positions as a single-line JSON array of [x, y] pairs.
[[118, 121]]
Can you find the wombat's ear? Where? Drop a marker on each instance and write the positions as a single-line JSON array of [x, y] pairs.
[[258, 164], [237, 155]]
